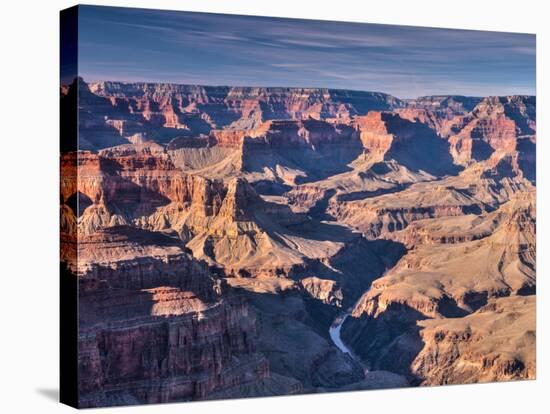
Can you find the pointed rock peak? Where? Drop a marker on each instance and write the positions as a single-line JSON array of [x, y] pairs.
[[241, 190], [239, 200]]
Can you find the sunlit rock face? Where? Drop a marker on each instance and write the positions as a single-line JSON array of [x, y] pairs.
[[217, 233]]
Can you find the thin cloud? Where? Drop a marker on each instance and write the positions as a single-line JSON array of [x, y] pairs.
[[219, 49]]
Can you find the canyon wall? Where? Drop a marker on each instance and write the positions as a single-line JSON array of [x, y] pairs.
[[221, 231]]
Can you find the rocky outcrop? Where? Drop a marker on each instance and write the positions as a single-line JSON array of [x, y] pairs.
[[327, 291], [221, 231], [453, 104], [135, 111], [388, 135], [483, 186], [374, 133], [507, 235], [247, 236], [393, 212], [495, 124], [171, 347], [139, 184], [289, 152], [234, 137], [157, 326], [496, 343], [477, 262]]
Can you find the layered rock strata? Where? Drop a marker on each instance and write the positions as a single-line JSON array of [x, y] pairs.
[[220, 232]]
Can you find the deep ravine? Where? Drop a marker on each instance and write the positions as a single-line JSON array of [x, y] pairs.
[[336, 328]]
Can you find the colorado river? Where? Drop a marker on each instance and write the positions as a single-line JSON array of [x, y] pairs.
[[334, 332], [336, 328]]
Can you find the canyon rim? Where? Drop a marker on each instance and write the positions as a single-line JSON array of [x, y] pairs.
[[255, 206]]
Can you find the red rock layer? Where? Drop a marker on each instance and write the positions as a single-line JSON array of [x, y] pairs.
[[495, 124], [154, 326]]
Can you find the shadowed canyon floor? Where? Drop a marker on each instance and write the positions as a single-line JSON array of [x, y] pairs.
[[221, 232]]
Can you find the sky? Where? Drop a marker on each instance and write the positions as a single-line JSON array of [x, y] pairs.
[[131, 45]]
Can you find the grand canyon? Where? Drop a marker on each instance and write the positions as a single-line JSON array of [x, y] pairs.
[[259, 241]]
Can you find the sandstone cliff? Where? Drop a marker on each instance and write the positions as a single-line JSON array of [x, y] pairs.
[[221, 232], [157, 326], [457, 268]]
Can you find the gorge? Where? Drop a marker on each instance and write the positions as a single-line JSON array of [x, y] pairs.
[[222, 233]]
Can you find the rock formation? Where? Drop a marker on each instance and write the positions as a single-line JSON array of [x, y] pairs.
[[217, 233], [457, 267], [157, 321]]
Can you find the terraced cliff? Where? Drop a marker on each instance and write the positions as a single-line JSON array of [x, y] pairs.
[[220, 231]]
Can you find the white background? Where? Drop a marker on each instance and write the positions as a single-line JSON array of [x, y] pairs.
[[29, 202]]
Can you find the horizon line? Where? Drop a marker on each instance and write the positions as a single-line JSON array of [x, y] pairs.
[[151, 82]]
